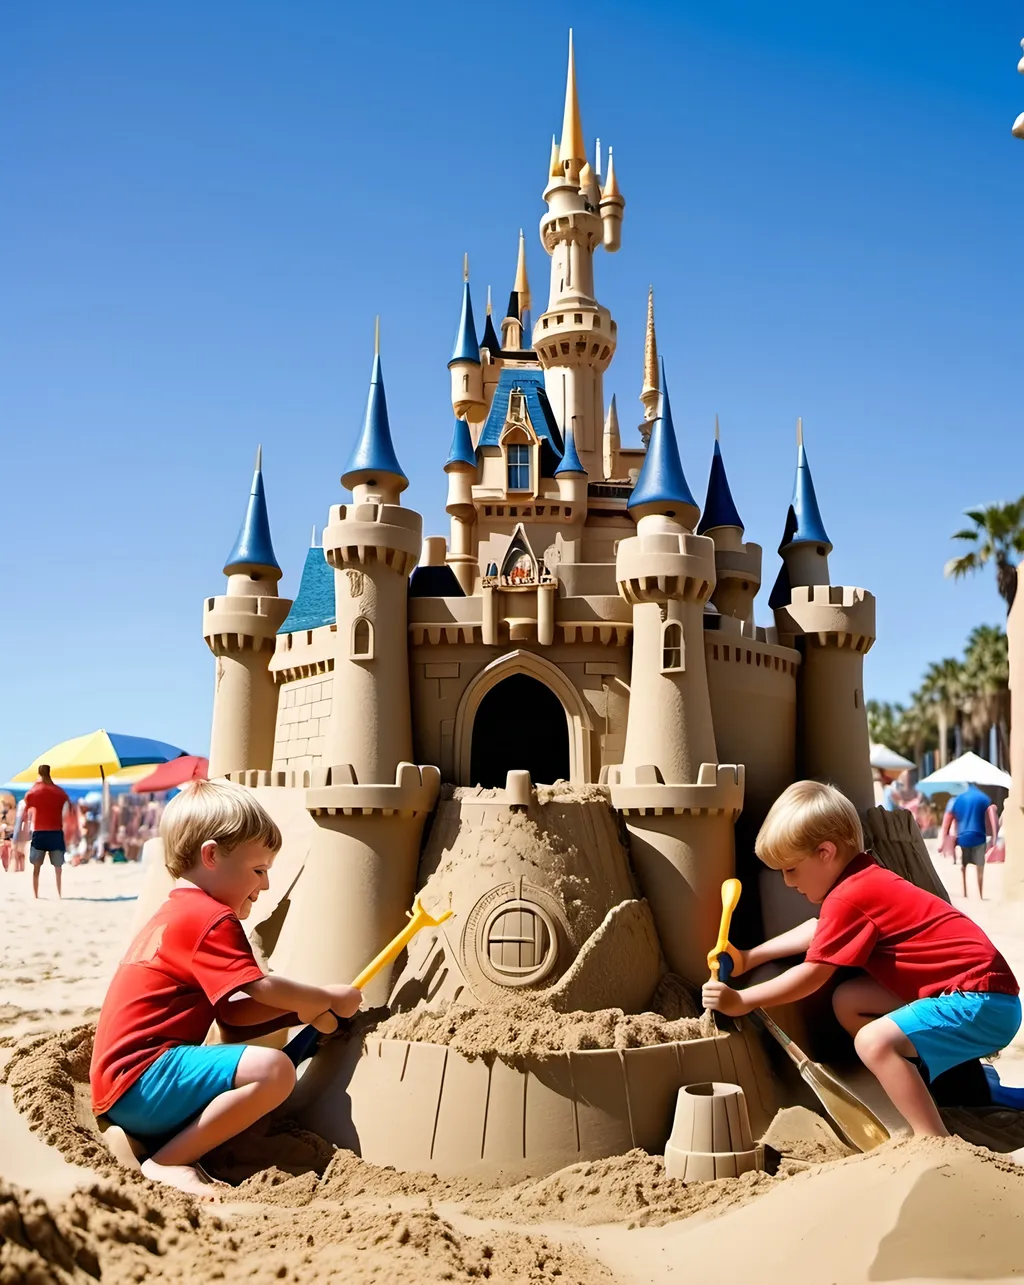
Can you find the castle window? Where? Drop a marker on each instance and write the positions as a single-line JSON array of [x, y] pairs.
[[577, 318], [362, 639], [671, 647], [465, 383], [518, 461]]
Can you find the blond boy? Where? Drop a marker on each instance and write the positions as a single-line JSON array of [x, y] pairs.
[[151, 1074], [933, 988]]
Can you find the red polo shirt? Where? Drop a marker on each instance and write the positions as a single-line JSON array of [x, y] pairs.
[[912, 942]]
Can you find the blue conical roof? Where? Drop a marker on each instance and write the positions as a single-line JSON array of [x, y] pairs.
[[662, 485], [719, 507], [254, 547], [374, 452], [570, 461], [490, 340], [466, 346], [803, 522], [461, 450]]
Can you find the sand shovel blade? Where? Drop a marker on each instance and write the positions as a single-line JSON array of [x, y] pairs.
[[856, 1121]]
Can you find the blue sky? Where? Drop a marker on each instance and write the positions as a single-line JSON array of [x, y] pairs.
[[204, 206]]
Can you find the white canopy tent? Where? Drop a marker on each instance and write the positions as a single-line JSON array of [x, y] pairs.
[[887, 760], [968, 769]]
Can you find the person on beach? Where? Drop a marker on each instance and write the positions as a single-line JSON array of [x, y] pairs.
[[191, 964], [46, 802], [975, 816], [934, 991]]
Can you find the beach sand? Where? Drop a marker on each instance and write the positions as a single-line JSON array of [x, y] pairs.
[[914, 1211]]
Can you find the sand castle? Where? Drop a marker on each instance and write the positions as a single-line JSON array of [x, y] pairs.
[[585, 623]]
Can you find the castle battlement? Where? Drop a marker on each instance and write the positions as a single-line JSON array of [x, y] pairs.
[[237, 623], [666, 564], [371, 532], [335, 790], [830, 615]]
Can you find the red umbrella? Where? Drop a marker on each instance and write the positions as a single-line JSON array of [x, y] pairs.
[[189, 767]]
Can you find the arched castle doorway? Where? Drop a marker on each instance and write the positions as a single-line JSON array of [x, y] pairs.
[[520, 723], [548, 712]]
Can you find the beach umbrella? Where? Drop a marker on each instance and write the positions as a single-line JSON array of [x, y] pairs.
[[168, 776], [888, 760], [968, 769], [99, 755]]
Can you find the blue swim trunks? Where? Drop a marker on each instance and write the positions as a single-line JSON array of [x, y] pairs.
[[949, 1029], [173, 1091]]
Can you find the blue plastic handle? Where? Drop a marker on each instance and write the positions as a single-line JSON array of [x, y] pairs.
[[725, 966]]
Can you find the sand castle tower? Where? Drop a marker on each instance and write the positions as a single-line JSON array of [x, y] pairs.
[[368, 800], [240, 628], [834, 628], [680, 804]]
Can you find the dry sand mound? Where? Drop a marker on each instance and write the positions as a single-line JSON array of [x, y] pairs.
[[931, 1210], [522, 1028]]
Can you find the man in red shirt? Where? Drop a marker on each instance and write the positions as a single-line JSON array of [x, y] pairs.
[[47, 803], [934, 988]]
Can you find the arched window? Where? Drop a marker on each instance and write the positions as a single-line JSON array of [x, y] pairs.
[[672, 655], [362, 639]]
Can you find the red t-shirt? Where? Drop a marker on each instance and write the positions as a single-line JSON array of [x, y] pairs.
[[48, 801], [909, 940], [192, 954]]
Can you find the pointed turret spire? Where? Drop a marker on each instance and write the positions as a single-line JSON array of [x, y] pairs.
[[662, 486], [373, 455], [490, 341], [650, 391], [466, 346], [254, 550], [611, 441], [611, 183], [572, 152], [803, 522], [719, 507], [570, 461], [461, 450], [312, 537], [522, 285], [555, 166]]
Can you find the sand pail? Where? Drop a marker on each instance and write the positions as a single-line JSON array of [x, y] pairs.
[[711, 1135]]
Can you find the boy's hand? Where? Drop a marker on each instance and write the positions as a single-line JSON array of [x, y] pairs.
[[735, 954], [723, 999], [343, 1000]]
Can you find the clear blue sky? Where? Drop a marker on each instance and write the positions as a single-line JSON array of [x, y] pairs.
[[205, 205]]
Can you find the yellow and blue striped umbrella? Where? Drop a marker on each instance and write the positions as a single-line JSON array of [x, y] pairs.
[[99, 754]]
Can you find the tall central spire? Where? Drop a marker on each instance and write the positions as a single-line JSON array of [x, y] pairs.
[[572, 153]]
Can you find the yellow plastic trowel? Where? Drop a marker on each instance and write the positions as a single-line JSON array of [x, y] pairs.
[[856, 1121], [305, 1044]]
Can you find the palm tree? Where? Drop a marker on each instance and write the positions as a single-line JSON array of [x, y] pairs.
[[997, 536], [942, 689], [986, 679]]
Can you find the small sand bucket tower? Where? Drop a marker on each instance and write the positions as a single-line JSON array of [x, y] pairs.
[[711, 1135]]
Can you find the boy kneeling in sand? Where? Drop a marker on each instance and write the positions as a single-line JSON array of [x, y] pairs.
[[936, 989], [151, 1073]]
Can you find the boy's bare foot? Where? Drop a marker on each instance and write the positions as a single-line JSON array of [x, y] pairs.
[[191, 1178]]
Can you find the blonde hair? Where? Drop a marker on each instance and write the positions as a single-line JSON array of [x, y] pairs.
[[802, 818], [217, 810]]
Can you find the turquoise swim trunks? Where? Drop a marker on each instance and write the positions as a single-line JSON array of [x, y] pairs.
[[173, 1091], [949, 1029]]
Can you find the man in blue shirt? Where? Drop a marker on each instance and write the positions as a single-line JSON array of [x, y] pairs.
[[974, 813]]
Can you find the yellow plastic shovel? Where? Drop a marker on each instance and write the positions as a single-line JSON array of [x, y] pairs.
[[304, 1044]]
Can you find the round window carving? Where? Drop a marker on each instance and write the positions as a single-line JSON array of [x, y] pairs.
[[518, 943]]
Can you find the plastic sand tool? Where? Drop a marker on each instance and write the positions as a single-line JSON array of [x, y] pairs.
[[856, 1121], [304, 1045]]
